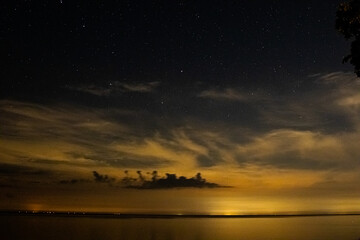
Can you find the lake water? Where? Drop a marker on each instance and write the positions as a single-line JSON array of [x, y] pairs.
[[81, 228]]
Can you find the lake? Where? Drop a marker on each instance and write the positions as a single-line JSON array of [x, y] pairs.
[[81, 228]]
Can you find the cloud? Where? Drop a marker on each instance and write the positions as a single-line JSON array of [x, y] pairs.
[[330, 106], [294, 149], [305, 134], [97, 178], [93, 89], [343, 96], [158, 148], [102, 178], [335, 78], [63, 138], [14, 169], [227, 94], [74, 136], [142, 181], [170, 181], [13, 174], [73, 181], [350, 101], [115, 88], [138, 87]]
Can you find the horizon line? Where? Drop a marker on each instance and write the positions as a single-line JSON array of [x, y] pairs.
[[165, 215]]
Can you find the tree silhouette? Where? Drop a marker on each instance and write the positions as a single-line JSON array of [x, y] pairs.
[[348, 24]]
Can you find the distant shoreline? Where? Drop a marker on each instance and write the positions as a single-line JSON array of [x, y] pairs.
[[136, 215]]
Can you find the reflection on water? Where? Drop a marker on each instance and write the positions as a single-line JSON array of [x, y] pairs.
[[290, 228]]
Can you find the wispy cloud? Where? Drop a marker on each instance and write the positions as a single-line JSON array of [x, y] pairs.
[[138, 87], [295, 149], [92, 89], [116, 87], [300, 136], [335, 77], [351, 101], [331, 106], [228, 94]]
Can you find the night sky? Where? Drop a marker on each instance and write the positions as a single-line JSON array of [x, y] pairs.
[[95, 96]]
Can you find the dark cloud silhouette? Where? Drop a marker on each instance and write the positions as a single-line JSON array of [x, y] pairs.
[[127, 180], [12, 169], [154, 176], [73, 181], [102, 178], [97, 177], [148, 180], [169, 181], [141, 177]]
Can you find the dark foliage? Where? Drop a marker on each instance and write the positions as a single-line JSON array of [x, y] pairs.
[[348, 24]]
